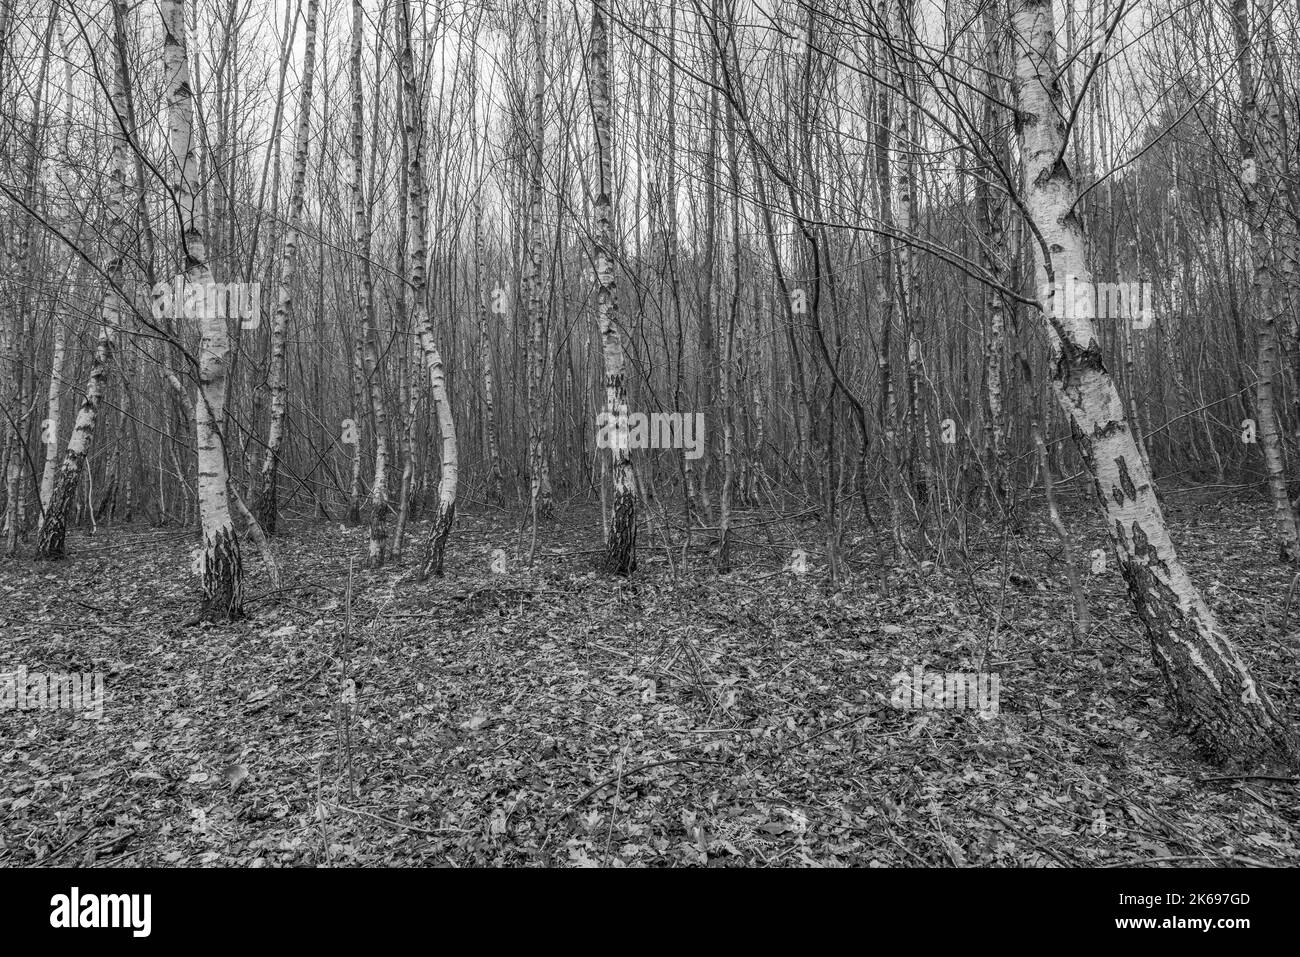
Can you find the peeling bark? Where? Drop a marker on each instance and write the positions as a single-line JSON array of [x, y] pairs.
[[1210, 685]]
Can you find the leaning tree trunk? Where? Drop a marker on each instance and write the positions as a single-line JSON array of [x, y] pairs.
[[412, 129], [220, 562], [1208, 682], [58, 496], [267, 508], [63, 490], [436, 545], [620, 544]]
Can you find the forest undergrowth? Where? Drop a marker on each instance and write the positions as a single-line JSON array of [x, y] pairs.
[[679, 717]]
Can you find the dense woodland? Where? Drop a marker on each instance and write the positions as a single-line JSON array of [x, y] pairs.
[[932, 276]]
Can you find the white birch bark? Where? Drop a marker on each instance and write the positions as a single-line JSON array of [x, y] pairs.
[[220, 562], [1209, 683], [413, 130], [53, 412], [620, 542]]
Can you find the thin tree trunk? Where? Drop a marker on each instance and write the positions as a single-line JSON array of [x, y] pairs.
[[408, 394], [21, 328], [353, 516], [413, 129], [266, 507], [991, 205], [887, 409], [495, 492], [61, 491], [620, 542], [1258, 175], [539, 403], [366, 307]]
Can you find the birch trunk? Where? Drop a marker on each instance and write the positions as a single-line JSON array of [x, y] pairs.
[[266, 507], [991, 207], [726, 378], [353, 516], [413, 129], [408, 360], [54, 397], [496, 482], [904, 261], [620, 542], [220, 562], [538, 400], [1258, 175], [22, 325], [366, 308], [53, 412], [887, 409], [1209, 683]]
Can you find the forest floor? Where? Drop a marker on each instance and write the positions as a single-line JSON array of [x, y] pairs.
[[555, 717]]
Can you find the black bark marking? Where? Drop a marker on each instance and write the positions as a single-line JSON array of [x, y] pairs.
[[1125, 480]]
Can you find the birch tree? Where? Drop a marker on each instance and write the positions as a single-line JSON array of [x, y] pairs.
[[54, 397], [620, 543], [991, 206], [366, 305], [63, 484], [1259, 176], [413, 129], [1208, 681], [267, 508], [220, 563], [538, 398]]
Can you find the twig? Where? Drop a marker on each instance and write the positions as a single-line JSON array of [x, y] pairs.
[[408, 827], [1065, 862], [813, 737], [638, 770], [1183, 857]]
